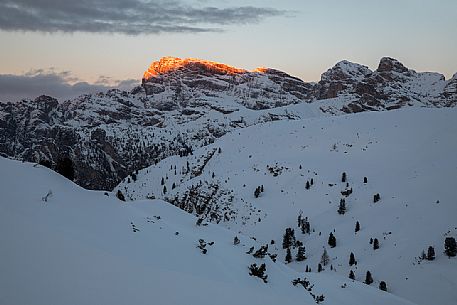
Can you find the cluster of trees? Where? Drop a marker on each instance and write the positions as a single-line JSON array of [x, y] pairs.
[[303, 223], [450, 249], [258, 271], [258, 191], [309, 183], [376, 197]]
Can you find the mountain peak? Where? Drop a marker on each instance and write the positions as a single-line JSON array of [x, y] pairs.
[[388, 64], [170, 64], [345, 70]]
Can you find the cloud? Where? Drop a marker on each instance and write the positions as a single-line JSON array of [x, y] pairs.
[[61, 85], [132, 17]]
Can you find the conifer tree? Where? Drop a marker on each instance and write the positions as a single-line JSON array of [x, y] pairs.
[[351, 259], [351, 275], [236, 240], [307, 186], [343, 177], [319, 268], [120, 196], [450, 247], [164, 189], [368, 278], [325, 259], [312, 181], [365, 180], [383, 286], [332, 240], [288, 256], [431, 253], [357, 227], [162, 182], [375, 244], [300, 254], [342, 207]]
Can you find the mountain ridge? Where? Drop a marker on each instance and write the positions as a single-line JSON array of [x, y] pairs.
[[183, 104]]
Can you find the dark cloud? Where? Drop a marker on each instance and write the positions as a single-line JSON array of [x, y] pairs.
[[131, 17], [61, 85]]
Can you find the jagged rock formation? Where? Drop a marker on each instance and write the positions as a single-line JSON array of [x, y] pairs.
[[177, 83], [186, 103]]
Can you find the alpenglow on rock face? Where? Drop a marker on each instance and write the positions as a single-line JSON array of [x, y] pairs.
[[187, 103], [176, 83]]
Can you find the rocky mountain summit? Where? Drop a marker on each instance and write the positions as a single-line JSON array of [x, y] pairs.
[[182, 104]]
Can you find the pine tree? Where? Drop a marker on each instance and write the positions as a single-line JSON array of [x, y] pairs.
[[431, 253], [450, 247], [351, 275], [376, 197], [365, 180], [307, 186], [162, 182], [306, 269], [305, 226], [357, 227], [236, 240], [120, 196], [375, 244], [343, 177], [312, 181], [319, 268], [288, 238], [368, 278], [173, 186], [332, 240], [164, 189], [342, 207], [383, 286], [325, 259], [288, 256], [351, 259], [300, 254]]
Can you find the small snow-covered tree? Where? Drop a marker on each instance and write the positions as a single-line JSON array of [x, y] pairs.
[[383, 286], [236, 240], [300, 254], [120, 196], [288, 256], [357, 227], [343, 177], [450, 247], [352, 259], [325, 259], [375, 244], [368, 278], [332, 240], [352, 275], [431, 253]]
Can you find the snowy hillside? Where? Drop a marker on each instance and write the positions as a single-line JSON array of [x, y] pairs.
[[62, 244], [408, 157]]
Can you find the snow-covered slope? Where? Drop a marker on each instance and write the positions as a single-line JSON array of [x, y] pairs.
[[408, 157], [62, 244]]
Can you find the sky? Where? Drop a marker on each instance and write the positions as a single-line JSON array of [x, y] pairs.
[[65, 47]]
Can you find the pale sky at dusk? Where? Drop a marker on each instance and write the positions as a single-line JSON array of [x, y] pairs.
[[104, 41]]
